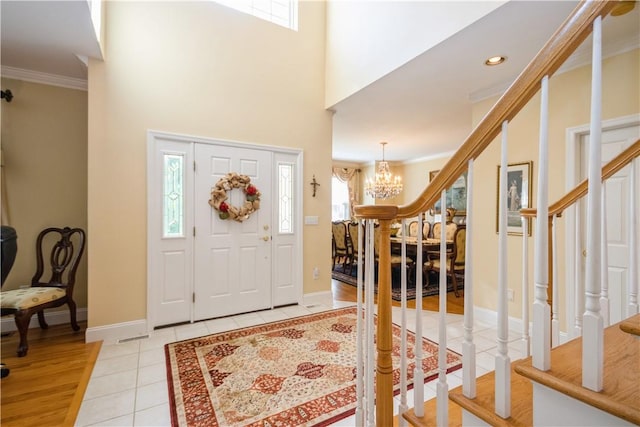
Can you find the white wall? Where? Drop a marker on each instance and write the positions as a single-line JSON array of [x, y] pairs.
[[368, 39]]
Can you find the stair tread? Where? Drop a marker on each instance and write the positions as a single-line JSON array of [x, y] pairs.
[[621, 380], [483, 406], [430, 413], [631, 325]]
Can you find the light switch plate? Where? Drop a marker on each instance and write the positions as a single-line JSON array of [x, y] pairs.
[[311, 220]]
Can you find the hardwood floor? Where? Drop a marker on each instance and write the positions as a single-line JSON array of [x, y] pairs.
[[45, 388], [343, 292]]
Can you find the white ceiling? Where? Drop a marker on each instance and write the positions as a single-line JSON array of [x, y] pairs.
[[422, 109], [47, 36]]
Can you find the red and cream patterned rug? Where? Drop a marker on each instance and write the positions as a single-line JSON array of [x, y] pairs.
[[296, 372]]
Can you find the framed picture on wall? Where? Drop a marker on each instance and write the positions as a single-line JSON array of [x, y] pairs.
[[456, 195], [518, 196]]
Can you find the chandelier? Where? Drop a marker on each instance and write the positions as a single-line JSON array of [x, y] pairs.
[[385, 185]]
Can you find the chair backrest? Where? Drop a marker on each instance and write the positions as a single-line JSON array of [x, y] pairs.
[[436, 230], [353, 235], [65, 247], [460, 241], [339, 230], [413, 228], [450, 232], [426, 227]]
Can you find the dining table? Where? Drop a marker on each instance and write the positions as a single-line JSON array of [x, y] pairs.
[[428, 245]]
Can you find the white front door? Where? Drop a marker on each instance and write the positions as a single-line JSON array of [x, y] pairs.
[[232, 260], [614, 141], [200, 266]]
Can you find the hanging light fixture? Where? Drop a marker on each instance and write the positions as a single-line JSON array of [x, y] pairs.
[[385, 185]]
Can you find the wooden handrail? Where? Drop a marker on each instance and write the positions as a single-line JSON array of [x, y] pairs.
[[608, 170], [575, 29]]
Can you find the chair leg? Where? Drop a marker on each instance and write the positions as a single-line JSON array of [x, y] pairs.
[[72, 312], [454, 281], [41, 321], [22, 319]]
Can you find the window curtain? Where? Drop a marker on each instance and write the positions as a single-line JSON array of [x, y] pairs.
[[352, 177]]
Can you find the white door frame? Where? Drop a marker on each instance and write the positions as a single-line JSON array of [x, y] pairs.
[[152, 137], [572, 270]]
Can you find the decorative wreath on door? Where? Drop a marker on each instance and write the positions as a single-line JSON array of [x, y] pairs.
[[219, 197]]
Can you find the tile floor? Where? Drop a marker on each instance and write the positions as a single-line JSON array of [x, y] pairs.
[[128, 386]]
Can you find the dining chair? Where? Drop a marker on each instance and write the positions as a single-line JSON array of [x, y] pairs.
[[394, 260], [64, 247], [413, 228], [354, 229], [455, 263], [341, 249]]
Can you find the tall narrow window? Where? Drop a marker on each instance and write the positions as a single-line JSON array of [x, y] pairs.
[[173, 196], [285, 198], [339, 200]]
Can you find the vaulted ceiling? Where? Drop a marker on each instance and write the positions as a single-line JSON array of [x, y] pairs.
[[422, 108]]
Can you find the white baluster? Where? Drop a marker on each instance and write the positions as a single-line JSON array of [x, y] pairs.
[[404, 407], [370, 367], [632, 308], [418, 373], [541, 335], [502, 361], [360, 335], [604, 261], [526, 346], [555, 323], [579, 279], [468, 346], [442, 389], [593, 325]]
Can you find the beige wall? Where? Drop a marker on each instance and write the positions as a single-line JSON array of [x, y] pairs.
[[44, 150], [202, 69], [569, 99], [416, 176]]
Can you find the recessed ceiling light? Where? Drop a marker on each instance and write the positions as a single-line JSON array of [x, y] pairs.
[[495, 60]]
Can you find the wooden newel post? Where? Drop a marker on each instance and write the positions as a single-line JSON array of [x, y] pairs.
[[384, 371]]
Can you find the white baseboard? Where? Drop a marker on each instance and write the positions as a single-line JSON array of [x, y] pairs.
[[111, 334], [490, 317], [315, 297], [58, 317]]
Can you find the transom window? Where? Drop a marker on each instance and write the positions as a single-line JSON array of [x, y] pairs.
[[281, 12]]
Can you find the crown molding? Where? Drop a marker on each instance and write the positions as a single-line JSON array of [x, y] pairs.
[[44, 78]]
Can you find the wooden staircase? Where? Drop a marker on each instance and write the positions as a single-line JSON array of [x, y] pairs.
[[620, 397]]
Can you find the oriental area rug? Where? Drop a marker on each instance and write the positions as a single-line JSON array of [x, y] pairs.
[[296, 372]]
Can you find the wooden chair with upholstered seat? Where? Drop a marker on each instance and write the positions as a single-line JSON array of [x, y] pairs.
[[455, 258], [66, 248], [426, 228], [413, 229], [395, 260], [341, 248], [451, 228], [354, 230]]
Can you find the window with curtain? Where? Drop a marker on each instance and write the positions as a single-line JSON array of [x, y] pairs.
[[345, 192], [340, 206]]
